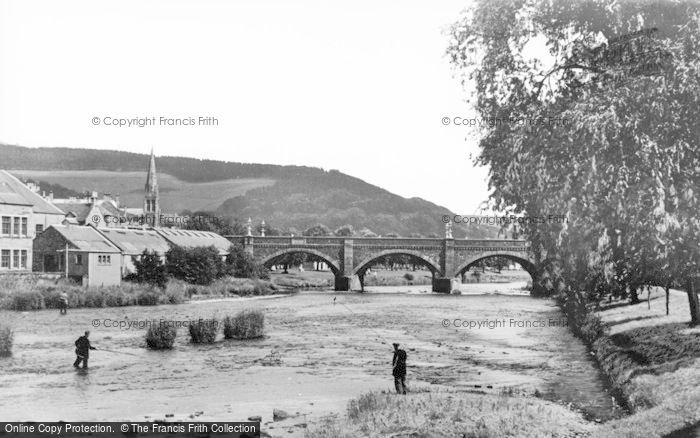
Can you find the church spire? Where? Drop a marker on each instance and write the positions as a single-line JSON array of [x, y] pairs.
[[151, 178], [151, 204]]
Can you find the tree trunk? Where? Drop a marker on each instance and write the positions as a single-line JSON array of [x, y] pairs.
[[693, 301], [648, 298], [668, 294]]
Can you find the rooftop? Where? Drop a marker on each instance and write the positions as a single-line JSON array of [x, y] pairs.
[[14, 192]]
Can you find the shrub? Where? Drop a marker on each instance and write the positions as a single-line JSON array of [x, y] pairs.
[[408, 276], [148, 298], [203, 331], [160, 336], [93, 297], [175, 292], [26, 300], [6, 337], [248, 324]]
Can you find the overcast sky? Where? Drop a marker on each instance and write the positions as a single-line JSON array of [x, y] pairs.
[[358, 86]]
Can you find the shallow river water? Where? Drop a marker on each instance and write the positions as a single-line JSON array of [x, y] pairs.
[[317, 354]]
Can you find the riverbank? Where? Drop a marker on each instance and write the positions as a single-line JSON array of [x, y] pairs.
[[654, 361], [452, 414]]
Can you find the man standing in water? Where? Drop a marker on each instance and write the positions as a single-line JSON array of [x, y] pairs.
[[399, 369], [63, 303], [82, 350]]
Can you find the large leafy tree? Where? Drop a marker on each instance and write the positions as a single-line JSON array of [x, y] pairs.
[[612, 97]]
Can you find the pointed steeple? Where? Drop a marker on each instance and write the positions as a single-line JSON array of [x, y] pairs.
[[151, 178], [151, 204]]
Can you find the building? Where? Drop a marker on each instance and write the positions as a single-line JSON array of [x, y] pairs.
[[23, 215], [133, 242], [193, 239], [80, 253], [92, 210]]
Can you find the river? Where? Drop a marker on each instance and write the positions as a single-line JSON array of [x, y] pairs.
[[320, 350]]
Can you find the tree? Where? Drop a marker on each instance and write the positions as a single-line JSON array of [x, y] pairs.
[[208, 221], [242, 264], [318, 230], [150, 269], [199, 265], [344, 231], [366, 232], [621, 160]]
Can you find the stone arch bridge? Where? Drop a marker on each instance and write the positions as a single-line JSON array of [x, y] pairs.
[[350, 257]]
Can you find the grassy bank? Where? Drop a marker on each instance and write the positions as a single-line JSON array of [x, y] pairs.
[[24, 293], [451, 414], [652, 359]]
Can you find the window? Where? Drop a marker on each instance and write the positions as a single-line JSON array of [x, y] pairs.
[[78, 259], [6, 225], [15, 258], [39, 228], [23, 259], [5, 259], [15, 229], [104, 260], [24, 226]]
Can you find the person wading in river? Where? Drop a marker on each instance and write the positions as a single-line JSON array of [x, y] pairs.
[[63, 303], [82, 350], [399, 369]]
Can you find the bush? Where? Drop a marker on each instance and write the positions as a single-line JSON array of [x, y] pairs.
[[408, 276], [160, 336], [248, 324], [203, 331], [175, 292], [6, 337], [148, 298], [26, 300]]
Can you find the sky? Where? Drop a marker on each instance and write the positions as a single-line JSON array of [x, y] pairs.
[[360, 86]]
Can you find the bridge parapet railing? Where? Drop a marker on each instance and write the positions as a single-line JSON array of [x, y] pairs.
[[492, 243]]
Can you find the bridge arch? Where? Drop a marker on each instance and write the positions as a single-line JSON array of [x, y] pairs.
[[332, 264], [364, 264], [527, 264]]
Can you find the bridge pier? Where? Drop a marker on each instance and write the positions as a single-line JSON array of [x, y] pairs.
[[348, 283], [445, 285]]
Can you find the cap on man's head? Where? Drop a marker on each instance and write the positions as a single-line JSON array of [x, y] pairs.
[[87, 332]]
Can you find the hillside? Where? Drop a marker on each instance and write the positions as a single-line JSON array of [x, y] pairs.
[[285, 196]]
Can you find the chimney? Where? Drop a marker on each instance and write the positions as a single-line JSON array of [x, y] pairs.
[[51, 196]]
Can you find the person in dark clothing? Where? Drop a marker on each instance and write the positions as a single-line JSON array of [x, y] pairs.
[[399, 369], [82, 350], [63, 303]]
